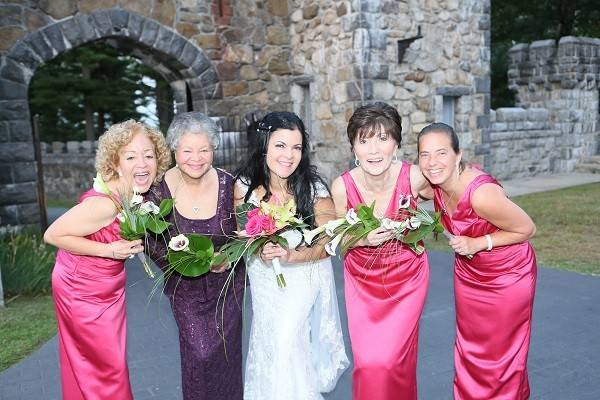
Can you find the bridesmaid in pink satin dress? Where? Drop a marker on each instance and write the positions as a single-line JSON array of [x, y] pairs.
[[385, 282], [495, 271], [88, 280]]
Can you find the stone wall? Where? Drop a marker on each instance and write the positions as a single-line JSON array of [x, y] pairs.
[[68, 169], [523, 142], [346, 53], [557, 124]]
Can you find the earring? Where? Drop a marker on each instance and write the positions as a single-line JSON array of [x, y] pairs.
[[119, 173], [457, 170], [176, 165], [395, 158], [356, 162]]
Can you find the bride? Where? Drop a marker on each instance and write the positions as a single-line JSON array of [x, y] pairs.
[[296, 348]]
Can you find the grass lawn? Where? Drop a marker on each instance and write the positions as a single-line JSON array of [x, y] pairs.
[[568, 228], [25, 324]]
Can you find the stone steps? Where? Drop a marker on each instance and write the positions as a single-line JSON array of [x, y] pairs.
[[589, 165]]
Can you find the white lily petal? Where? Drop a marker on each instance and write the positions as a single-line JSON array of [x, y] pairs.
[[414, 223], [332, 245], [179, 242], [404, 201], [331, 226], [351, 217], [293, 237], [309, 236], [149, 208]]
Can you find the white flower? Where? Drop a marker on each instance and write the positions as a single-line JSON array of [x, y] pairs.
[[179, 242], [331, 226], [309, 236], [404, 202], [331, 246], [149, 208], [121, 217], [351, 217], [389, 224], [136, 199], [414, 223], [100, 186], [293, 237]]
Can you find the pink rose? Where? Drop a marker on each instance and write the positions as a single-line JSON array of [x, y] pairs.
[[252, 213], [254, 225], [268, 224]]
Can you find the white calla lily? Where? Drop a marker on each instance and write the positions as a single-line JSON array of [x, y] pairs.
[[309, 236], [149, 208], [404, 201], [293, 238], [351, 217], [100, 186], [332, 245], [389, 224], [331, 226], [414, 223], [179, 242]]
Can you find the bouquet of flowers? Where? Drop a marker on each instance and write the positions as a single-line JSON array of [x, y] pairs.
[[137, 217], [412, 225], [190, 255], [354, 226], [262, 223]]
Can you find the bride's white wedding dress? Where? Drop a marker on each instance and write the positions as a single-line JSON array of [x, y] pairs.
[[296, 348]]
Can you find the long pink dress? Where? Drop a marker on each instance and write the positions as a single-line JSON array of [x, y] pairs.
[[494, 300], [89, 298], [385, 290]]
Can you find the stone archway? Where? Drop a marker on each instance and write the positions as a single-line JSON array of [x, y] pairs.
[[189, 71]]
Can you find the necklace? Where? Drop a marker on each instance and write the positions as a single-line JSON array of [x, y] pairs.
[[194, 207]]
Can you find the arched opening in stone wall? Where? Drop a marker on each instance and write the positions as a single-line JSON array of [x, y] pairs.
[[190, 74]]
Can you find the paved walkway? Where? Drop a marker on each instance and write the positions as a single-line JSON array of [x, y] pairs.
[[564, 360]]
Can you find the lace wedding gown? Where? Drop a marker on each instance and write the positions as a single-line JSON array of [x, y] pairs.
[[296, 348]]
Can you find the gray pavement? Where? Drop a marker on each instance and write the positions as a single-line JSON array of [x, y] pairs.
[[564, 360]]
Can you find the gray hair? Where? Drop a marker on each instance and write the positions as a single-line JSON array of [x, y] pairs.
[[195, 123]]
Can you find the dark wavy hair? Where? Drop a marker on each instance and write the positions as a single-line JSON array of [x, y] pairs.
[[255, 172]]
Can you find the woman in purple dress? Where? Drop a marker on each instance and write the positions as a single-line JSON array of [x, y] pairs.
[[209, 320]]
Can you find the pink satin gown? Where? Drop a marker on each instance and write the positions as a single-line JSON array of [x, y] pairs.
[[494, 300], [385, 290], [89, 298]]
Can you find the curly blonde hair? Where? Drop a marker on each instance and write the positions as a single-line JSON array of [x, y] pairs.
[[119, 135]]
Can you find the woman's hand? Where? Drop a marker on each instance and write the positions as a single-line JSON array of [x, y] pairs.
[[465, 245], [377, 237], [271, 251], [122, 249]]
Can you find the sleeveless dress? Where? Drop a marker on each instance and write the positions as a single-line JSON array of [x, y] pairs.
[[211, 368], [385, 289], [89, 299], [494, 301], [296, 348]]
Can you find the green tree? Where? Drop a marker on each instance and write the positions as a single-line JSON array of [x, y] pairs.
[[81, 92], [517, 21]]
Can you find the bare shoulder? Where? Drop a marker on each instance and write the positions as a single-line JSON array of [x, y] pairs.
[[488, 195], [338, 189]]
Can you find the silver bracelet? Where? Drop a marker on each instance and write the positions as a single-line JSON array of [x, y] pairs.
[[490, 244]]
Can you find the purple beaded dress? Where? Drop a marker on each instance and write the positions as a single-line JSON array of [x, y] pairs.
[[210, 369]]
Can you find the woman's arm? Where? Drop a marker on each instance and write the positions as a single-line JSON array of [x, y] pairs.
[[69, 230], [420, 186], [490, 202]]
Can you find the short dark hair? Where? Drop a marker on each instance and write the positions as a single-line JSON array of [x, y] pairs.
[[368, 120]]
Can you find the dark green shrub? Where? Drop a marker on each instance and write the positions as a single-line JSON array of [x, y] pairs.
[[26, 263]]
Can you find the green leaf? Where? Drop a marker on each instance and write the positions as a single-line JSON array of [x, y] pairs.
[[197, 261], [241, 212], [165, 208]]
